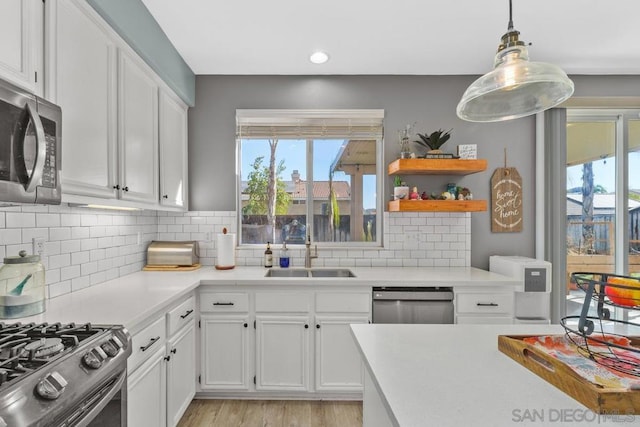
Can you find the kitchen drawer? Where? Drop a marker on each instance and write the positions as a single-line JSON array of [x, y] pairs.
[[484, 320], [224, 302], [180, 316], [146, 342], [278, 302], [347, 302], [479, 303]]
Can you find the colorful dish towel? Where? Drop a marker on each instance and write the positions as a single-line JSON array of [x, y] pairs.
[[571, 351]]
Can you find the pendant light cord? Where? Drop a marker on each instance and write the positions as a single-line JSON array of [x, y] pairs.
[[510, 27]]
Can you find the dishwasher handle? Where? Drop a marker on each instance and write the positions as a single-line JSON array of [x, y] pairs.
[[435, 294]]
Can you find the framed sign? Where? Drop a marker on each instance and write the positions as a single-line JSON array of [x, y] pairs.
[[468, 151], [506, 201]]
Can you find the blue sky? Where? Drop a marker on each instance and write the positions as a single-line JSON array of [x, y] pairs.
[[604, 173], [294, 152]]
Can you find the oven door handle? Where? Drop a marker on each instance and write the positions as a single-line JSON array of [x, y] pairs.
[[99, 406], [41, 150]]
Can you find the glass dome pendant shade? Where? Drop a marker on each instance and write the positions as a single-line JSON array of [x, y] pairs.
[[516, 87]]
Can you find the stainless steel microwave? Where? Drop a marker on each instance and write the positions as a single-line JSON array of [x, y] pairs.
[[30, 149]]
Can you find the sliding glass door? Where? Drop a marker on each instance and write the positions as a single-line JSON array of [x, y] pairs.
[[602, 195]]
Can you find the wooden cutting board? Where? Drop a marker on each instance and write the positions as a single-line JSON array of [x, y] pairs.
[[599, 399], [171, 267]]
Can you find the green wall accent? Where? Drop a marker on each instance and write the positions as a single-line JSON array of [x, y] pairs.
[[135, 24]]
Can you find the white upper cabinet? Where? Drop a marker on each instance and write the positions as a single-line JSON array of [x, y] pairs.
[[138, 130], [173, 150], [81, 68], [21, 50], [115, 112]]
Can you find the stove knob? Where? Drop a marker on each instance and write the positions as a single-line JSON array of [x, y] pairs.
[[51, 387], [112, 347], [94, 357]]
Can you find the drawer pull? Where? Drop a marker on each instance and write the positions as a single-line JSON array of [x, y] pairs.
[[184, 316], [487, 304], [152, 342], [223, 303]]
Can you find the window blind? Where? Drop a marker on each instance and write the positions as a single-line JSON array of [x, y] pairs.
[[303, 124]]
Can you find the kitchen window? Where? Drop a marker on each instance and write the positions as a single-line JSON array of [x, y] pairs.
[[315, 173]]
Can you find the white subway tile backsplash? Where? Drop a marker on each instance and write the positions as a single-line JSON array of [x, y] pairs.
[[85, 247], [80, 232], [28, 234], [82, 247], [70, 220], [47, 220], [60, 233], [80, 283], [67, 273], [57, 261], [20, 220]]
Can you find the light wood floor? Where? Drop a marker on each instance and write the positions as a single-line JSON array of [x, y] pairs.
[[272, 413]]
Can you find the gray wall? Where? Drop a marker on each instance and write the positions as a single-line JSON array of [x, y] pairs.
[[133, 22], [428, 100]]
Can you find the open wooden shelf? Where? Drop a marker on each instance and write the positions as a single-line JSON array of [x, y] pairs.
[[436, 166], [437, 206]]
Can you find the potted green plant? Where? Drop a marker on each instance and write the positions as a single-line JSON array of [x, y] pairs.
[[434, 140], [400, 189]]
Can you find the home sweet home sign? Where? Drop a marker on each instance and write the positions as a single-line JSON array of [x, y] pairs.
[[506, 201]]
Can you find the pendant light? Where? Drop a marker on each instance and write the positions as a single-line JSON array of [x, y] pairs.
[[516, 87]]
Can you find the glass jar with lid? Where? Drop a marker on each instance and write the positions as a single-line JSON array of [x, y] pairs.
[[22, 286]]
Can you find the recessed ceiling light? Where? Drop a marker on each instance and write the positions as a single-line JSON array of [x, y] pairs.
[[319, 57]]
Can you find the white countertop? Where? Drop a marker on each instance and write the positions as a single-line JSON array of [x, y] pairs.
[[454, 375], [131, 299]]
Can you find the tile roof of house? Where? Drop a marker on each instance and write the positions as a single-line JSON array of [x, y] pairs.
[[320, 189], [298, 189]]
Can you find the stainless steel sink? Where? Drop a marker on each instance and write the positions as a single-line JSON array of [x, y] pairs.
[[340, 272], [319, 272], [287, 273]]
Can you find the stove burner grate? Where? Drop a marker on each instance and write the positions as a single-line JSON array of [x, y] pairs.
[[27, 347]]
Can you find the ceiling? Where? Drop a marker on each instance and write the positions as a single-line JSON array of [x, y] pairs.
[[420, 37]]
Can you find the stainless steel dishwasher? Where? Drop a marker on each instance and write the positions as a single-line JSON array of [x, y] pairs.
[[412, 305]]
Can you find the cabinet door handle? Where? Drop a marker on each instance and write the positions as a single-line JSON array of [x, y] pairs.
[[184, 316], [125, 188], [116, 187], [306, 326], [317, 326], [487, 304], [167, 358], [152, 342], [246, 325], [174, 350], [223, 303], [165, 196]]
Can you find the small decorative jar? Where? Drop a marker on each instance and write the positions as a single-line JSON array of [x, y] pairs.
[[452, 188]]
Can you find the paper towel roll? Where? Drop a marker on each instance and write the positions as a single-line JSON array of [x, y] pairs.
[[226, 248]]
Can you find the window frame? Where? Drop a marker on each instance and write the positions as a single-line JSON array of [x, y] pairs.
[[302, 114]]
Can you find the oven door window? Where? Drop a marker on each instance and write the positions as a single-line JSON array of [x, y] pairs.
[[112, 415]]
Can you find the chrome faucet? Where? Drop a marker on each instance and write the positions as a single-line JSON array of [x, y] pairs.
[[307, 253]]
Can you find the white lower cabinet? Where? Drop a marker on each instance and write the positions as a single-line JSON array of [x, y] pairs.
[[181, 368], [489, 307], [225, 356], [146, 393], [281, 341], [282, 353], [162, 368], [339, 366]]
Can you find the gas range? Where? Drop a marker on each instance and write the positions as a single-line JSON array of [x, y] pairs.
[[60, 374]]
